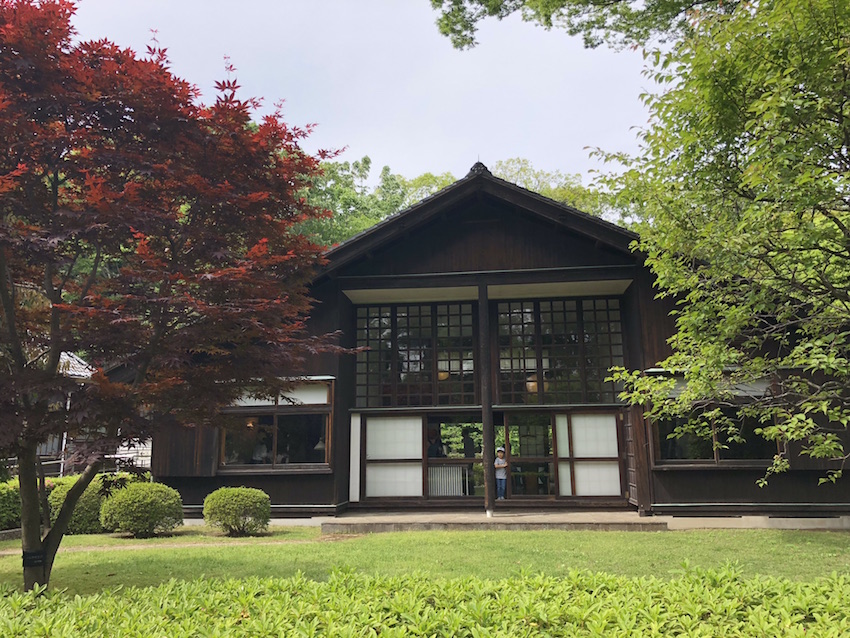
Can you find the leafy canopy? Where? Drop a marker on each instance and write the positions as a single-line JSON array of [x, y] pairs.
[[745, 203], [616, 22], [153, 235]]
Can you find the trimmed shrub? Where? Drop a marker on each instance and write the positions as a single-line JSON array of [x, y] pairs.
[[143, 509], [239, 511], [86, 516], [10, 505]]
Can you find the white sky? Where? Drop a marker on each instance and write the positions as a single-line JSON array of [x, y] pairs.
[[379, 79]]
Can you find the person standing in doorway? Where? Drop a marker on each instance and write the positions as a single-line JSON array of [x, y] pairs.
[[501, 465]]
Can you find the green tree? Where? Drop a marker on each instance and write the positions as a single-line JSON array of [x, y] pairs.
[[425, 185], [342, 190], [556, 185], [614, 21], [745, 202]]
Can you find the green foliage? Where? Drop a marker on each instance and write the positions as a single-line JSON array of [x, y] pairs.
[[195, 551], [744, 202], [566, 189], [699, 602], [86, 516], [615, 22], [10, 505], [143, 509], [343, 190], [239, 511]]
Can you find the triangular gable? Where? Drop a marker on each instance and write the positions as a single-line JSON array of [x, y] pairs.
[[477, 183]]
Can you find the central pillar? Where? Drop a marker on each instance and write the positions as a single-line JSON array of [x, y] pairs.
[[488, 453]]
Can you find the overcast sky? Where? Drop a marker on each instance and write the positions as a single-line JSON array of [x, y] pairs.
[[378, 78]]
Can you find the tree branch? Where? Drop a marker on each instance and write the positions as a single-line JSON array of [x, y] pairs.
[[6, 287]]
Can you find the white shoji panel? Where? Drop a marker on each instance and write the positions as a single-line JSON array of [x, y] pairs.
[[563, 437], [393, 437], [594, 435], [565, 487], [393, 479], [354, 471], [597, 478]]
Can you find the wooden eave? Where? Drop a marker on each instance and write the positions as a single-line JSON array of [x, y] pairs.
[[480, 183]]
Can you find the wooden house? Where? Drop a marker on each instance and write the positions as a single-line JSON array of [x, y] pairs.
[[486, 315]]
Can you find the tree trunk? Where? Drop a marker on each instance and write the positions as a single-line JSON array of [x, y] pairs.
[[39, 552], [31, 542]]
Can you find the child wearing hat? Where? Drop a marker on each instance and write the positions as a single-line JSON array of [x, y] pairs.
[[501, 465]]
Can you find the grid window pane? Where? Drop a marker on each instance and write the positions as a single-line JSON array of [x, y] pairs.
[[415, 355], [558, 351], [455, 355]]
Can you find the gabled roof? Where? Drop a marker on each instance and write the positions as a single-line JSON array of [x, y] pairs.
[[74, 367], [479, 181]]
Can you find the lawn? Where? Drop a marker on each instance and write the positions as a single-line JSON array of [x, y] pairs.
[[192, 553]]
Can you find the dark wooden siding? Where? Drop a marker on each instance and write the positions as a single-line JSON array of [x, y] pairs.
[[637, 459], [486, 237], [294, 489], [185, 451], [656, 323], [728, 490]]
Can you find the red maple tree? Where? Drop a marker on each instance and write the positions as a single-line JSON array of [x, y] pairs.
[[139, 229]]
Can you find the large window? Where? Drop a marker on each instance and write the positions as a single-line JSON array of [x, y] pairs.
[[276, 440], [415, 355], [559, 351]]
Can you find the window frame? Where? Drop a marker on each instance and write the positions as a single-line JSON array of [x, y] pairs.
[[387, 394], [715, 462], [541, 395], [281, 407]]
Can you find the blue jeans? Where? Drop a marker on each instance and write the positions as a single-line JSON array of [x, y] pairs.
[[501, 487]]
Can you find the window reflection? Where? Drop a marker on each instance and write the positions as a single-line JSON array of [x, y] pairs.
[[298, 438]]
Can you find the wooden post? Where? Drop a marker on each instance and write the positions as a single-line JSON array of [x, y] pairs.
[[488, 454]]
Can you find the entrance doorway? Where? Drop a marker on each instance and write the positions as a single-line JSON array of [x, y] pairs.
[[551, 454], [568, 454]]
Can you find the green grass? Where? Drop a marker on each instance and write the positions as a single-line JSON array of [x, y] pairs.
[[800, 556], [195, 534]]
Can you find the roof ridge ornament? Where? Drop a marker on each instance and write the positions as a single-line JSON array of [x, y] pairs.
[[478, 169]]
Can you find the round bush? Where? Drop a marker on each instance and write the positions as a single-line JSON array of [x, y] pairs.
[[239, 511], [10, 505], [143, 509], [86, 516]]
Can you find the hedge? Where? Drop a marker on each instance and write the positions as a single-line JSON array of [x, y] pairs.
[[82, 521], [10, 505], [699, 603]]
